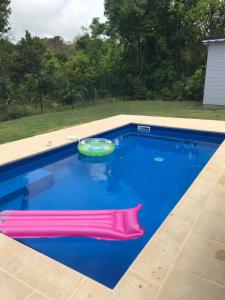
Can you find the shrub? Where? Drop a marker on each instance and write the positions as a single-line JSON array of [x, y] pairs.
[[190, 88], [194, 85], [176, 92], [15, 111]]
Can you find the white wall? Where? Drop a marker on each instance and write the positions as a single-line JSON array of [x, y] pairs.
[[214, 92]]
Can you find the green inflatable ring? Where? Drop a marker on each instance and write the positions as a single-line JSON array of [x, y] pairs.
[[96, 147]]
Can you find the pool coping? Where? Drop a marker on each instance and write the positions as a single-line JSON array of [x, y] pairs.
[[165, 262]]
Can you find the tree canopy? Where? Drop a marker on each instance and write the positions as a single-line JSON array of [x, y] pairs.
[[145, 49], [4, 14]]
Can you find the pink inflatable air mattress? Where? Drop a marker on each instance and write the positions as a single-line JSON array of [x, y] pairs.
[[99, 224]]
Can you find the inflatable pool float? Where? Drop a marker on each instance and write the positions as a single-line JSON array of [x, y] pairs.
[[120, 224], [96, 147]]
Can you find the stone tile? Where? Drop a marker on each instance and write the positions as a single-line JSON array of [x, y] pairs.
[[15, 254], [92, 290], [36, 296], [203, 258], [155, 260], [49, 277], [216, 200], [193, 202], [198, 193], [217, 159], [209, 173], [187, 210], [134, 287], [183, 286], [11, 289], [211, 226], [174, 229], [221, 179]]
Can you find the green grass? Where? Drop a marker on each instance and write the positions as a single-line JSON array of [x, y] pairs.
[[29, 126]]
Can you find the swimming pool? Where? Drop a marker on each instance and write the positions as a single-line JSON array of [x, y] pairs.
[[154, 168]]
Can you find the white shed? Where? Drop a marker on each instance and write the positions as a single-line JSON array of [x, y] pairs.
[[214, 91]]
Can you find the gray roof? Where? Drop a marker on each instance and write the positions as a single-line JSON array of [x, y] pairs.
[[214, 39]]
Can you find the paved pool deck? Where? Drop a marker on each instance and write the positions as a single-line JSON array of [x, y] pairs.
[[184, 260]]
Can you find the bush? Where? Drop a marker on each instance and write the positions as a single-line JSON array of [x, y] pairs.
[[3, 114], [194, 85], [190, 88], [16, 111], [176, 92], [12, 111], [140, 91]]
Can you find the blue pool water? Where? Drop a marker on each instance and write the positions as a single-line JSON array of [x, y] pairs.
[[154, 169]]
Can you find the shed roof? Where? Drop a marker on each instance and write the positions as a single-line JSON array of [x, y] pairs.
[[213, 39]]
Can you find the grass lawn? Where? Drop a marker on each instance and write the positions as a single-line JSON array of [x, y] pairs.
[[28, 126]]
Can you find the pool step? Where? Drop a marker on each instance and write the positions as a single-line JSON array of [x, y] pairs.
[[32, 183]]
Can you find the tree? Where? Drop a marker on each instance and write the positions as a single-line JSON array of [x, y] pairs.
[[59, 48], [162, 39], [145, 49], [4, 14], [97, 28], [80, 76], [126, 23], [30, 54], [209, 17]]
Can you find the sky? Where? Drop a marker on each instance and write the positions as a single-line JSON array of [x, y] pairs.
[[47, 18]]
